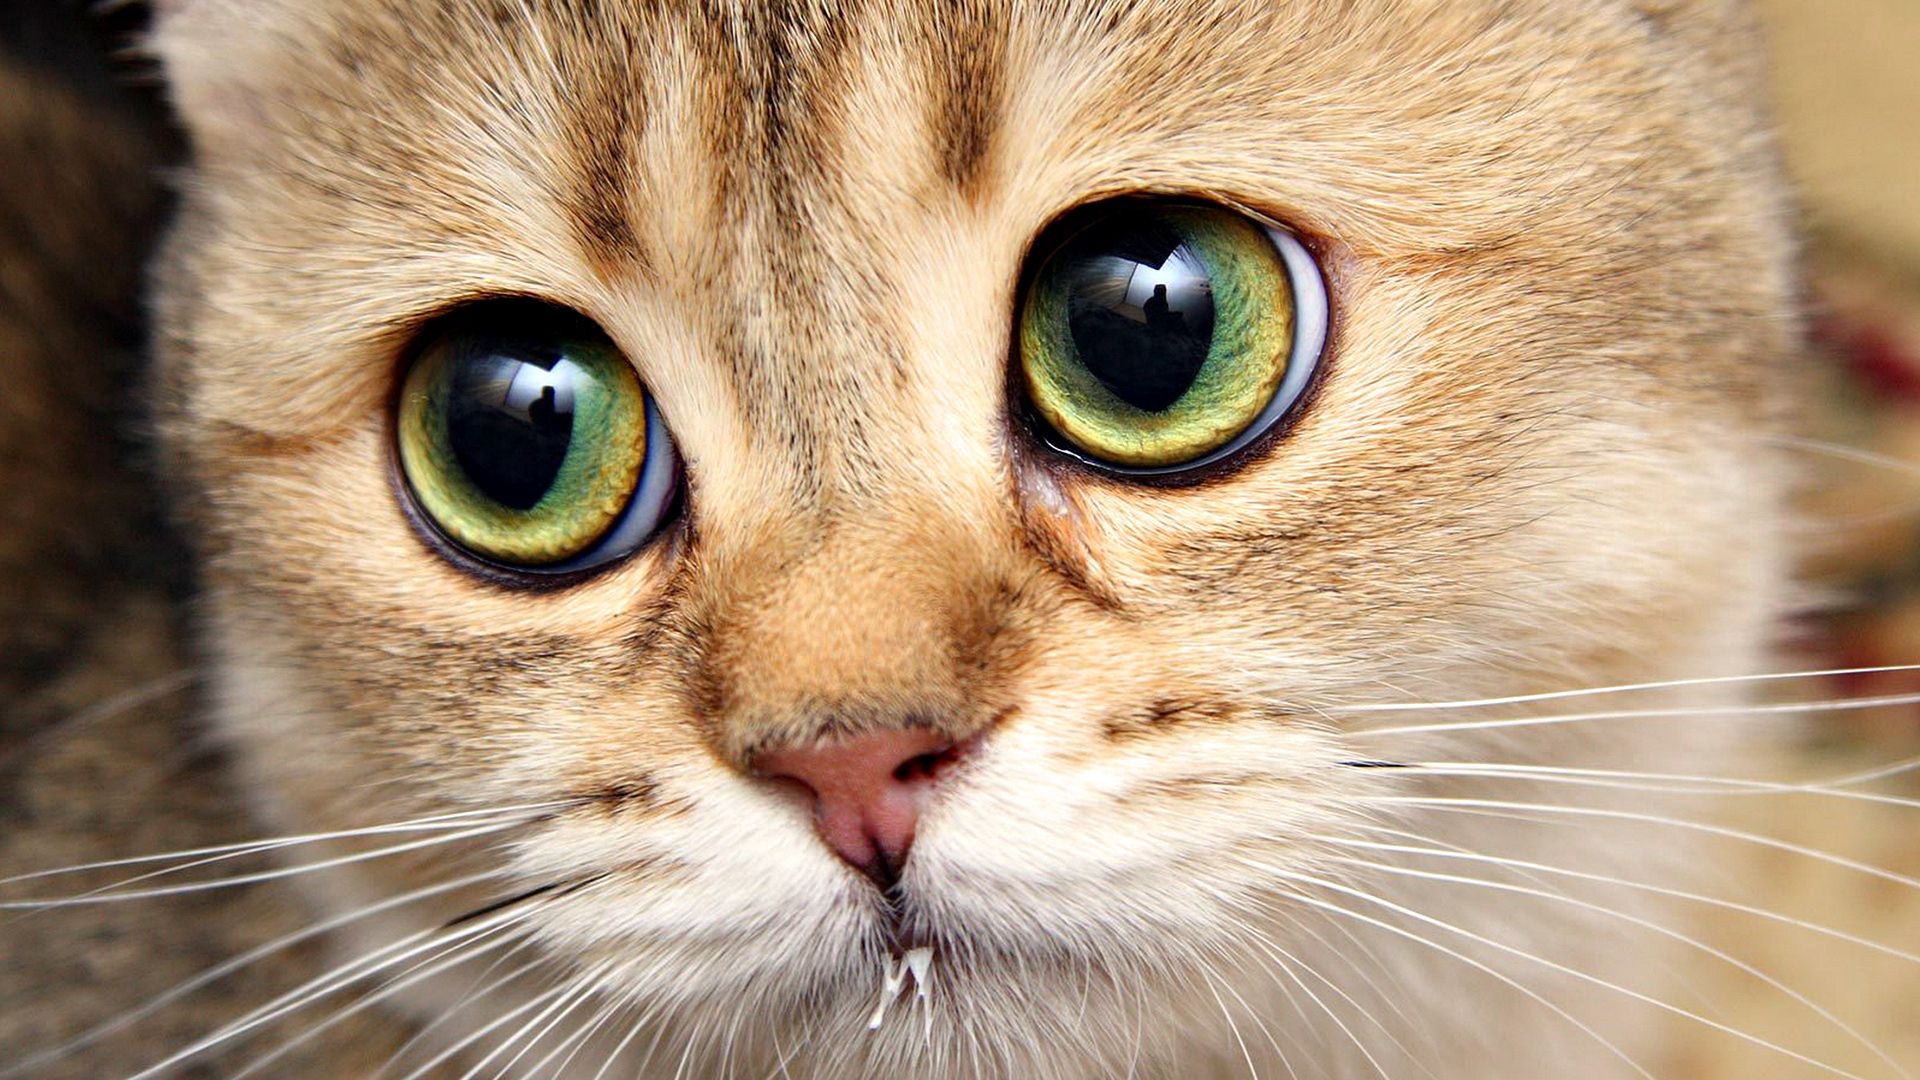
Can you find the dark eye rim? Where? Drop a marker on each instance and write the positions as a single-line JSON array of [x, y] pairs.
[[1306, 259], [479, 310]]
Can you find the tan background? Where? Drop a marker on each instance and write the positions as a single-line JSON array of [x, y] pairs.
[[1848, 77], [1847, 88]]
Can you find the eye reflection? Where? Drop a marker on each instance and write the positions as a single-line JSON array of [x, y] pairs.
[[1141, 312], [510, 423]]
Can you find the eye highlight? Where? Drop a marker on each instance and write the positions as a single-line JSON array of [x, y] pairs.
[[526, 440], [1158, 337]]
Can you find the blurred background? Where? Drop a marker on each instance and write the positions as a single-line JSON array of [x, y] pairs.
[[1847, 92], [1848, 98]]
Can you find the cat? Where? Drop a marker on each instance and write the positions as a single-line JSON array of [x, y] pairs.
[[868, 675]]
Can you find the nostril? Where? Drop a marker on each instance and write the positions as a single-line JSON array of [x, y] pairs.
[[925, 766]]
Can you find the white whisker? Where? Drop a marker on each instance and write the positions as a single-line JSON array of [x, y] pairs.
[[1252, 1013], [218, 971], [103, 896], [1632, 781], [1859, 456], [633, 1032], [1455, 852], [1623, 688], [123, 702], [475, 992], [1246, 1054], [508, 1017], [1276, 953], [1418, 939], [784, 1056], [1266, 942], [438, 963], [1295, 1005], [1466, 805], [1360, 972], [576, 991], [1878, 772], [1718, 711], [344, 975], [248, 847], [578, 1040], [1645, 924], [1569, 971]]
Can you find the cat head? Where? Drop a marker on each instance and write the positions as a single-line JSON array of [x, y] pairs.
[[806, 260]]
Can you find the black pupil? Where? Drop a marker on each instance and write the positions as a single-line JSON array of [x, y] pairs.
[[1140, 309], [510, 418]]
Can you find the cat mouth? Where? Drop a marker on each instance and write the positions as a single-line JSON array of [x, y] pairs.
[[900, 929]]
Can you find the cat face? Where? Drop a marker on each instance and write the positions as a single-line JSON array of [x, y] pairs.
[[1556, 278]]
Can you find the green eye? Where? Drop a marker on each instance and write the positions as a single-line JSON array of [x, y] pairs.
[[1159, 337], [525, 439]]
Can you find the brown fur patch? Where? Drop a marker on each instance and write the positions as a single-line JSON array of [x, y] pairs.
[[971, 101], [1166, 713]]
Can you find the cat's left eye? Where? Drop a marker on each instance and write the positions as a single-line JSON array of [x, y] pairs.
[[1159, 337], [526, 440]]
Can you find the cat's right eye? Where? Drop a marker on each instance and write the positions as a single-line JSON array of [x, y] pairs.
[[526, 440]]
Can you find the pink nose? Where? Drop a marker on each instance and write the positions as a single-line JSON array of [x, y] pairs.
[[867, 792]]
